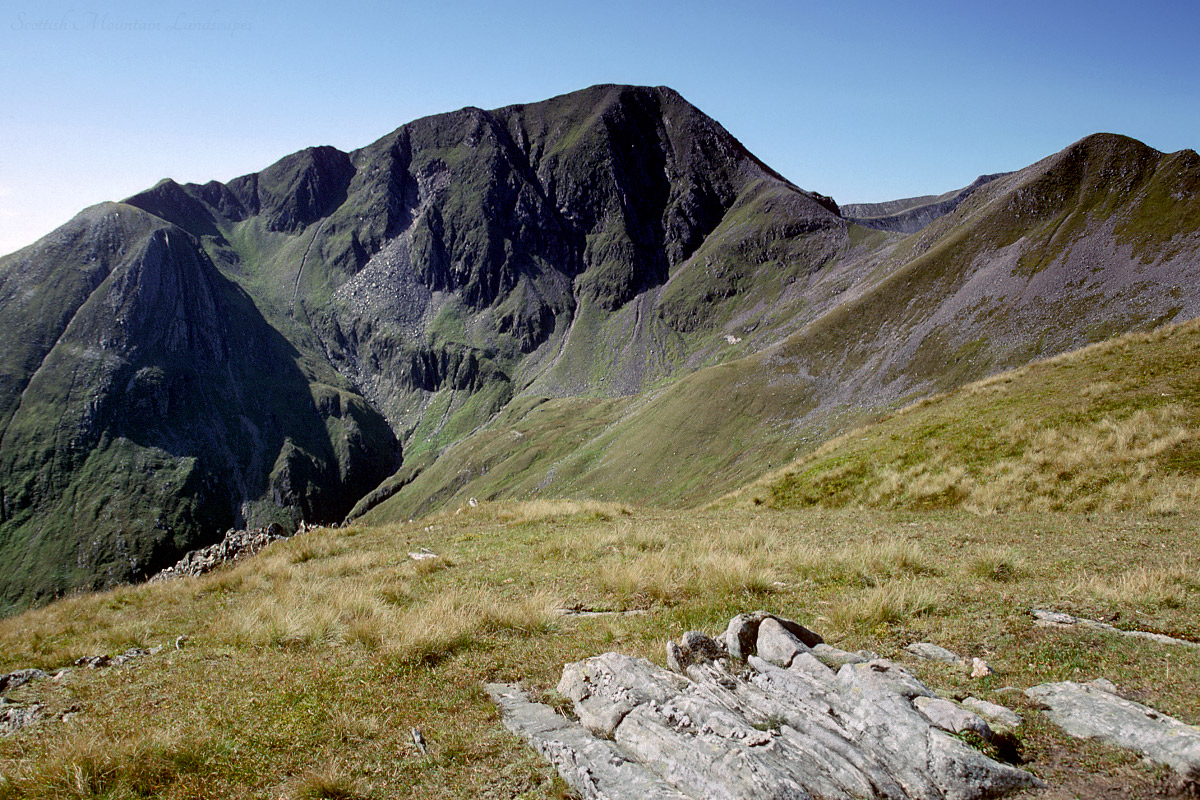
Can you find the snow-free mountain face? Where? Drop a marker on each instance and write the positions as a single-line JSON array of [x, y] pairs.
[[603, 293]]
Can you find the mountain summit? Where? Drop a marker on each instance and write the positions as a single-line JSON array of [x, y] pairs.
[[536, 298]]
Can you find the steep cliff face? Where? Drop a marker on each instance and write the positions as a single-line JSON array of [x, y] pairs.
[[467, 257], [1099, 239], [162, 409]]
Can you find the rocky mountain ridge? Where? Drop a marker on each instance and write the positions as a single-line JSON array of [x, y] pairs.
[[342, 328]]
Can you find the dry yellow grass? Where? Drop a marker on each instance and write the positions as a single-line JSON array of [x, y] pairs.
[[892, 603], [1145, 587], [1109, 428], [87, 764]]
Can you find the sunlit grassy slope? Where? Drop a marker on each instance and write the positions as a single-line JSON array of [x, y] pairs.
[[1114, 426], [307, 667]]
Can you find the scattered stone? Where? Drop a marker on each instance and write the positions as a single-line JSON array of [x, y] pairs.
[[741, 637], [980, 668], [129, 655], [693, 648], [19, 678], [1057, 619], [951, 717], [100, 662], [93, 662], [584, 612], [1000, 719], [761, 731], [236, 545], [422, 555], [932, 652], [1094, 711], [15, 717]]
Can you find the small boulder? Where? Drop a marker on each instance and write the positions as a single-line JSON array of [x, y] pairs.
[[93, 662], [14, 717], [1000, 719], [129, 655], [776, 645], [932, 652], [693, 647], [741, 636], [835, 659]]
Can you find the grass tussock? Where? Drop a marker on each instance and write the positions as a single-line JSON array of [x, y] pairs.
[[865, 563], [296, 609], [83, 765], [330, 783], [454, 620], [997, 564], [529, 511], [1145, 587], [639, 564], [889, 604]]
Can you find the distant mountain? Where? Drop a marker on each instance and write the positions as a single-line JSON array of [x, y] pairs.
[[1099, 239], [271, 349], [911, 214], [603, 293]]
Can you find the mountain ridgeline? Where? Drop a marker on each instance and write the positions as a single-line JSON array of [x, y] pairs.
[[538, 299]]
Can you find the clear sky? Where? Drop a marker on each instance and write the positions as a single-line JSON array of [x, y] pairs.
[[865, 100]]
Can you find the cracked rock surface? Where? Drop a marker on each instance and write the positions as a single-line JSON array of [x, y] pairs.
[[755, 731]]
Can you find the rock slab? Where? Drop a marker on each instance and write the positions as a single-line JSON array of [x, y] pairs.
[[933, 652], [762, 732], [1094, 711], [1057, 619], [19, 678]]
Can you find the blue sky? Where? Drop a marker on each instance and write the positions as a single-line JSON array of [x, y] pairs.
[[865, 100]]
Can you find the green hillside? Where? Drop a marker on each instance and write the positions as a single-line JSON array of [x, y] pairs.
[[1112, 427]]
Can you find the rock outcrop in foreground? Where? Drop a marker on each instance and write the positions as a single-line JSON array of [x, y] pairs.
[[788, 727]]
